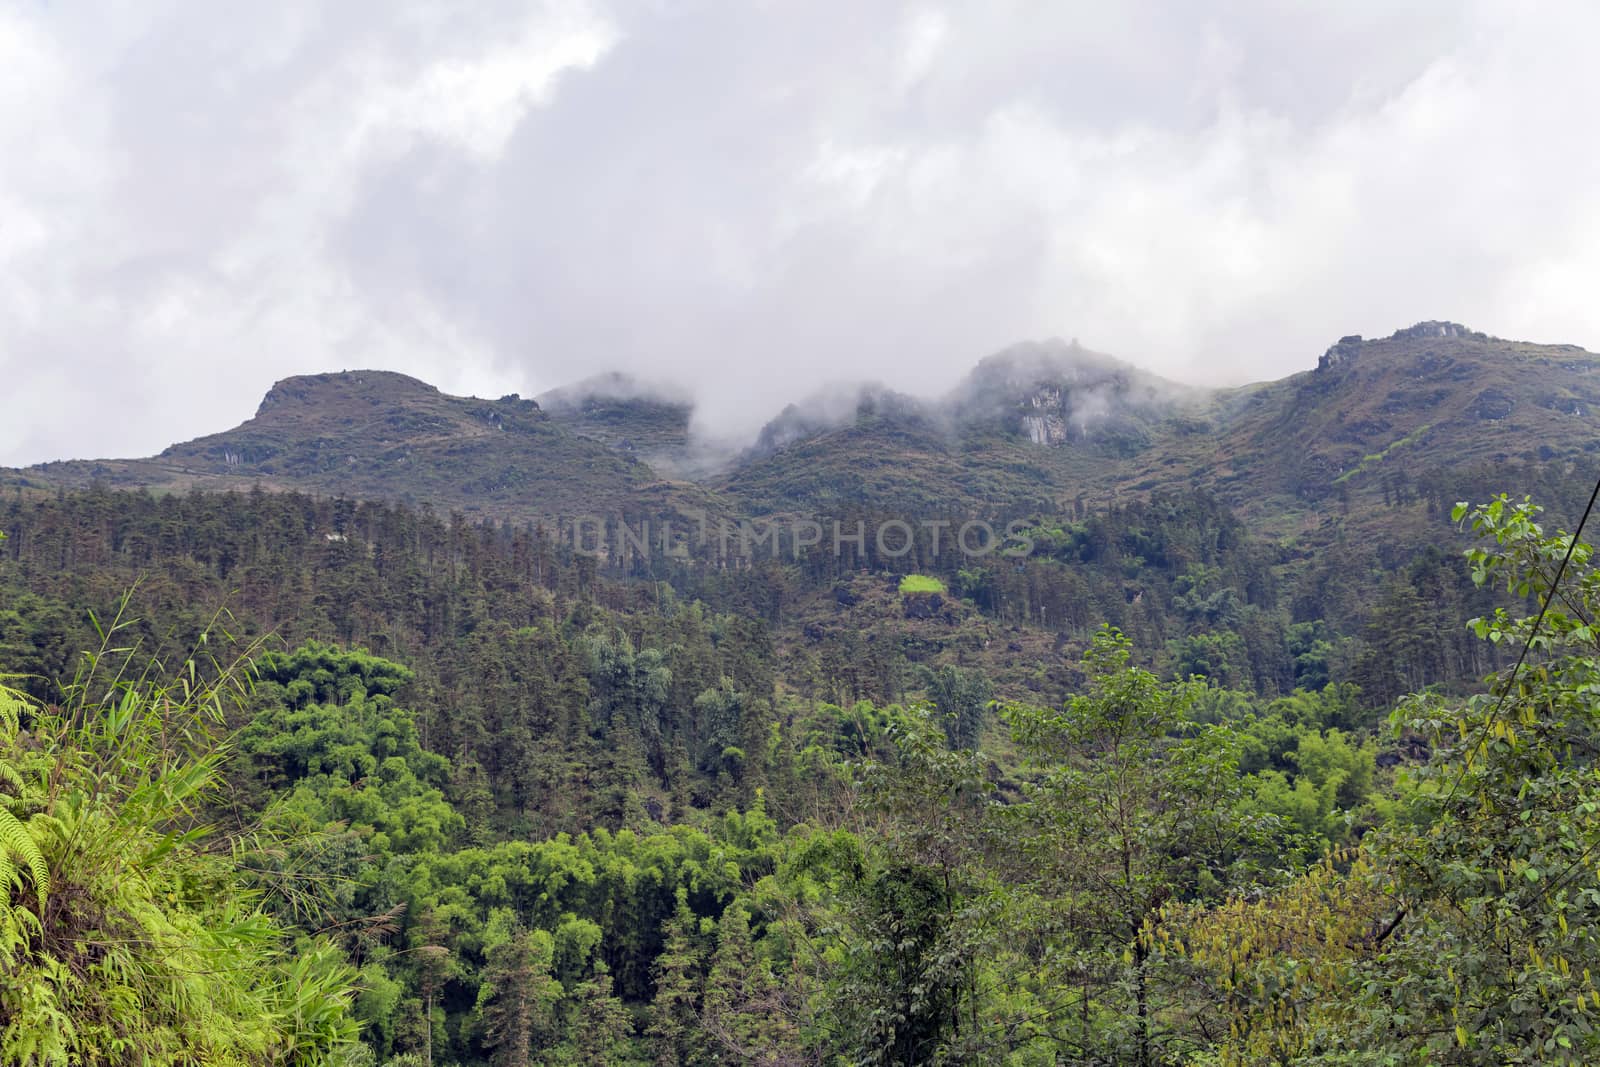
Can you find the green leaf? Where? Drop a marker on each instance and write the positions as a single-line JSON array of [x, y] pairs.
[[14, 838]]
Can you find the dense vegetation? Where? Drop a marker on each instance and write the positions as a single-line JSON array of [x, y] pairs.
[[351, 783]]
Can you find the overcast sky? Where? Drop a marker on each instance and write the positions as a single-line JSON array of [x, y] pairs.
[[750, 198]]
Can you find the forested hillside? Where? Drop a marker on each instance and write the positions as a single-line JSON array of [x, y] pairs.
[[602, 830], [1228, 769]]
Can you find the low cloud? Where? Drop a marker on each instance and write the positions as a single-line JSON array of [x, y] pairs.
[[614, 386], [748, 201]]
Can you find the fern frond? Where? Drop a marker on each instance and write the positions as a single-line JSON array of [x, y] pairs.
[[12, 705], [15, 839]]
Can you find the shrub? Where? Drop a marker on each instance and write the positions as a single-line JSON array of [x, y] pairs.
[[920, 583]]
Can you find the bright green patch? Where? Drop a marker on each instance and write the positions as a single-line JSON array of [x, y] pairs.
[[920, 583], [1378, 457]]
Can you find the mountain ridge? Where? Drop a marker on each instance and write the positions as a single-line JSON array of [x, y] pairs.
[[1036, 425]]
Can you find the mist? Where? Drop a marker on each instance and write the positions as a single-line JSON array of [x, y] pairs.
[[614, 386], [747, 202]]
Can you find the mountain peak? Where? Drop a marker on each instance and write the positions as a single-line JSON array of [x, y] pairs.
[[1032, 362], [835, 405], [1346, 349], [1054, 393], [611, 388], [1034, 422], [313, 390], [1435, 328]]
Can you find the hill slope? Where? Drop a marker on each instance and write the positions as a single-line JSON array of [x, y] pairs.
[[1056, 424], [381, 435], [642, 421]]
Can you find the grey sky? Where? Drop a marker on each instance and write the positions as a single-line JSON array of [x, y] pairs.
[[753, 197]]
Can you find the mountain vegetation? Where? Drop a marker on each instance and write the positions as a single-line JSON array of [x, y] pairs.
[[1257, 729]]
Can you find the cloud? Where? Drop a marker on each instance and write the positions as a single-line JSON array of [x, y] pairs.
[[754, 199]]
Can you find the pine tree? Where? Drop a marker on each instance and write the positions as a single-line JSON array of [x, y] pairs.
[[599, 1030], [434, 963], [518, 996], [744, 1018], [674, 1029]]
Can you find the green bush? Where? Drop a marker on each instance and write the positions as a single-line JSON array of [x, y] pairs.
[[127, 935], [920, 583]]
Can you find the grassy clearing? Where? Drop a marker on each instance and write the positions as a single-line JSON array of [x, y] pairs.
[[920, 583]]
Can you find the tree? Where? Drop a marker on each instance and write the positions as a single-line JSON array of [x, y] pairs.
[[744, 1017], [1466, 930], [518, 996], [1133, 805], [962, 697], [434, 966], [674, 1029], [1277, 974], [599, 1030], [1495, 934], [911, 905]]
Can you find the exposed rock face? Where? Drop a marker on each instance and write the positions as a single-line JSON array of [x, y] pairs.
[[1344, 351], [1045, 416], [1431, 328], [1347, 348], [1056, 394], [1493, 404]]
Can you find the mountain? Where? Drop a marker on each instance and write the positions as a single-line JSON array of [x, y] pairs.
[[1031, 426], [1056, 424], [1063, 395], [1043, 427], [644, 421], [1434, 410], [1433, 393], [381, 435]]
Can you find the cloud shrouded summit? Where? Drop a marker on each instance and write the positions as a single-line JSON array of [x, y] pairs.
[[752, 199]]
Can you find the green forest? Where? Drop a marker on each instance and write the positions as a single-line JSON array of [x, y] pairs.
[[297, 780]]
